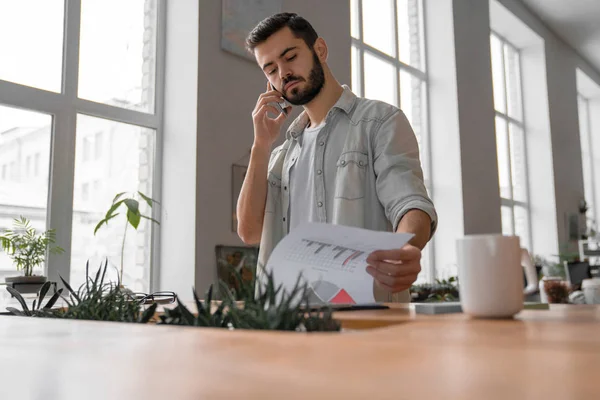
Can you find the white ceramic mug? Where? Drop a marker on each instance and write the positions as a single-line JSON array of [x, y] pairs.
[[490, 275]]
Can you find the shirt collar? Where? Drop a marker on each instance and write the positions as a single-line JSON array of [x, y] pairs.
[[345, 103]]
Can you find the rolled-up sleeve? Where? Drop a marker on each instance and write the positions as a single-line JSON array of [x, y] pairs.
[[399, 175]]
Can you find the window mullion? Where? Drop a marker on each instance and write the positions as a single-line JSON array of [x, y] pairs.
[[588, 132], [360, 49], [62, 168], [397, 53], [510, 171], [161, 39]]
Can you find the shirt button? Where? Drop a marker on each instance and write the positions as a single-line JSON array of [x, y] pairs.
[[321, 143], [285, 188], [361, 163], [283, 219], [320, 204], [343, 162], [319, 172]]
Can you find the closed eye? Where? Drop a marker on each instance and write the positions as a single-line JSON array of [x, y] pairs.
[[292, 58]]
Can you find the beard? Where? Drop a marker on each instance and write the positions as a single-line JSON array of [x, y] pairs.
[[316, 81]]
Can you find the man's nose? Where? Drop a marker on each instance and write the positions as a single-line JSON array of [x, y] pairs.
[[284, 73]]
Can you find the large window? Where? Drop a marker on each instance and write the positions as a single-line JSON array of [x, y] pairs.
[[388, 64], [587, 158], [510, 140], [80, 117]]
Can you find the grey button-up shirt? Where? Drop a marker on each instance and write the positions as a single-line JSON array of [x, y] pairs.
[[369, 173]]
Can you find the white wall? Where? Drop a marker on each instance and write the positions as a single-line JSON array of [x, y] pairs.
[[177, 230], [228, 87]]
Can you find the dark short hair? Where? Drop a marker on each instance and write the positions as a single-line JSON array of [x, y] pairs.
[[300, 27]]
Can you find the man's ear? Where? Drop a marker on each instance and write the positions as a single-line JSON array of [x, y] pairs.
[[321, 49]]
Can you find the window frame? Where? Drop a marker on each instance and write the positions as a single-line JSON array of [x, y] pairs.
[[511, 202], [64, 108], [361, 48], [592, 202]]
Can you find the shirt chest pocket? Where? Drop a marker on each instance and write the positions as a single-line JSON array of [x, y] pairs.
[[273, 193], [351, 176]]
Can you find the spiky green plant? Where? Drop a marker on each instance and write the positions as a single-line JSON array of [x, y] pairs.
[[206, 316], [94, 300], [134, 216], [103, 301], [269, 308], [35, 310], [272, 308], [26, 247]]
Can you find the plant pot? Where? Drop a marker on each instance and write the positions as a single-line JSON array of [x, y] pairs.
[[556, 290], [26, 284], [26, 279]]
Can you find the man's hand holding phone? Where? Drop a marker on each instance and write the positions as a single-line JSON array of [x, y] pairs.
[[266, 128]]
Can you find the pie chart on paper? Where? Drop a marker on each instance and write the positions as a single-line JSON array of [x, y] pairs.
[[324, 292]]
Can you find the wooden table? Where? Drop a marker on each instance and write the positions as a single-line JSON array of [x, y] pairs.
[[541, 354]]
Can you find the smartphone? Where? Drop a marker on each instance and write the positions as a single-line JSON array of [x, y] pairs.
[[282, 105]]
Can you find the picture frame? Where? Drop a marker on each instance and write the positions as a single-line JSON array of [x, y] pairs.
[[241, 258]]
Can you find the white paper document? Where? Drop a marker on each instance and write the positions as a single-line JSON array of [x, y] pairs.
[[332, 259]]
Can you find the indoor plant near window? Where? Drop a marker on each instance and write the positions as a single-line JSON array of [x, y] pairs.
[[134, 216], [27, 249], [443, 290]]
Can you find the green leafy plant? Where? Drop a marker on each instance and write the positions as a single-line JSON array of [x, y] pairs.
[[134, 216], [94, 300], [26, 247]]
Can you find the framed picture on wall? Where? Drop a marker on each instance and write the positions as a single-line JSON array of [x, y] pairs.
[[242, 259], [238, 173]]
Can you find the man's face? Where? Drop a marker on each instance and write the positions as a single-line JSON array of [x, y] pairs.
[[291, 66]]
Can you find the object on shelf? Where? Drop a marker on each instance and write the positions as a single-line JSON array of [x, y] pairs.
[[591, 290]]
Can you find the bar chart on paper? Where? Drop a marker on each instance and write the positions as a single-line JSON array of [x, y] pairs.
[[326, 255], [332, 260]]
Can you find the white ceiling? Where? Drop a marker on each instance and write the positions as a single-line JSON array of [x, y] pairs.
[[576, 21]]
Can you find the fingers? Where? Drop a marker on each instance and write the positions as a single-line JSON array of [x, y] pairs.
[[282, 116], [406, 253], [395, 269], [393, 289], [263, 110], [392, 283], [265, 100]]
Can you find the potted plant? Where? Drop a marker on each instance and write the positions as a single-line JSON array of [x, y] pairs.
[[443, 290], [134, 216], [27, 249]]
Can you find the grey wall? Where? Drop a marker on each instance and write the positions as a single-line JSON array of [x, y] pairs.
[[228, 87]]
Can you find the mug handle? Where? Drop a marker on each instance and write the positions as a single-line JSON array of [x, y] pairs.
[[530, 273]]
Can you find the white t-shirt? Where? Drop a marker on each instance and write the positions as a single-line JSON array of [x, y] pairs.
[[303, 206]]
